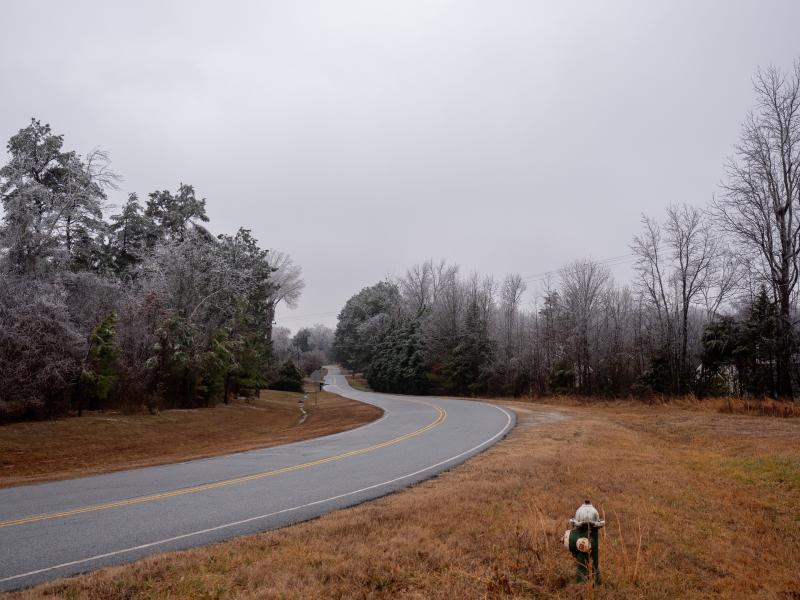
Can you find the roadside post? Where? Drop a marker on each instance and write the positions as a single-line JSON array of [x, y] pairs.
[[316, 378], [582, 541]]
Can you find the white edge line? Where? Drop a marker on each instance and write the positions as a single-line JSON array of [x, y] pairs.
[[502, 432]]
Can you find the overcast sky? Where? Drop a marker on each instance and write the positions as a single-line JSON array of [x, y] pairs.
[[363, 137]]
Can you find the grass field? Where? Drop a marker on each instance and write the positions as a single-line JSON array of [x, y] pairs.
[[104, 441], [699, 505]]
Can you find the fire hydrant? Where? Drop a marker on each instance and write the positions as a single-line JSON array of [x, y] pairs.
[[582, 541]]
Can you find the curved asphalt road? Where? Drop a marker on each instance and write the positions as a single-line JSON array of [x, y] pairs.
[[52, 530]]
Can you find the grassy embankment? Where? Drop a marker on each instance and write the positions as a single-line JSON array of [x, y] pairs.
[[699, 505], [106, 441]]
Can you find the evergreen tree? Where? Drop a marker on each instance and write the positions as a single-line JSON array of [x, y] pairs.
[[471, 361], [52, 201], [758, 347], [301, 340], [129, 232], [749, 346], [100, 373], [399, 365], [172, 215], [363, 322], [216, 368], [721, 348], [289, 379], [562, 378], [248, 290]]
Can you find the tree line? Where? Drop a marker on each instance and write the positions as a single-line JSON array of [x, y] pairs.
[[309, 348], [144, 308], [712, 308]]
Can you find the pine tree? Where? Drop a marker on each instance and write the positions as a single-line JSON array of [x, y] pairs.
[[52, 201], [289, 379], [471, 361], [173, 215], [398, 365], [100, 373], [758, 347], [129, 231], [721, 348]]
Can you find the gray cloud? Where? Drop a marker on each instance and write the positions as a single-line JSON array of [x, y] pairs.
[[364, 137]]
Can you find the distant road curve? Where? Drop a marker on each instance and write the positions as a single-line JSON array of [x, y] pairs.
[[57, 529]]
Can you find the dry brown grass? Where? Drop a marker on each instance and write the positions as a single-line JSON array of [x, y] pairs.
[[105, 441], [356, 380], [699, 505], [765, 407]]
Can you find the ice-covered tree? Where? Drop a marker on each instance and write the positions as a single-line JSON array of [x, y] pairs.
[[52, 201]]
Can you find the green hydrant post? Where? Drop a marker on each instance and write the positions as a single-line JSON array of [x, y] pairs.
[[582, 541]]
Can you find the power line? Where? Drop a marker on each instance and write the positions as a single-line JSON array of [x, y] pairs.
[[613, 261], [607, 262]]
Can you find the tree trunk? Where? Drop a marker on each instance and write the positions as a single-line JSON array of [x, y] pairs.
[[784, 347], [68, 230], [228, 385], [683, 374]]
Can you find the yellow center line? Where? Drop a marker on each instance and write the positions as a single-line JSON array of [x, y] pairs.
[[441, 416]]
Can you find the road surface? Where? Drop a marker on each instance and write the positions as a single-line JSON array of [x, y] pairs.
[[52, 530]]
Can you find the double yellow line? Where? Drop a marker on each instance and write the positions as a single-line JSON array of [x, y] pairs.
[[440, 417]]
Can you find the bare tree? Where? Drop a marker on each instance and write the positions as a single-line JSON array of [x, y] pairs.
[[282, 345], [617, 340], [694, 252], [761, 195], [40, 350], [287, 282], [653, 281], [510, 297], [682, 267], [444, 323], [417, 287], [584, 283], [321, 338]]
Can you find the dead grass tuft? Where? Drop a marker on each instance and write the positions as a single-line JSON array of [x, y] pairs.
[[766, 407]]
